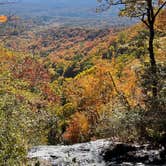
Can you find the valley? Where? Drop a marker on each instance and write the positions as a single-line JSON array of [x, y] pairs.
[[79, 82]]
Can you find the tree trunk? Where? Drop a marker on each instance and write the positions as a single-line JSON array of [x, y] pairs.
[[153, 61], [151, 21]]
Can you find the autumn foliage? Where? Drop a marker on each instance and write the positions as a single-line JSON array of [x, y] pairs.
[[73, 85], [78, 129], [3, 19]]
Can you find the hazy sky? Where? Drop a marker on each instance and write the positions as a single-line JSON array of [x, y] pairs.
[[54, 3], [45, 5], [64, 2]]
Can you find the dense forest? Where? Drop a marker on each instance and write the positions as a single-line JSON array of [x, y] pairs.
[[66, 85]]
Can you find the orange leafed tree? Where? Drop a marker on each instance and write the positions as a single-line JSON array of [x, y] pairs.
[[78, 128], [3, 19]]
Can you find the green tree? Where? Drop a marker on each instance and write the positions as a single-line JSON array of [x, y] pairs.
[[12, 139]]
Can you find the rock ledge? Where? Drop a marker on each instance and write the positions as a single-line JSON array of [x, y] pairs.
[[97, 153]]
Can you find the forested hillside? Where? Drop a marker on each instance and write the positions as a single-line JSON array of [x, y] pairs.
[[64, 85]]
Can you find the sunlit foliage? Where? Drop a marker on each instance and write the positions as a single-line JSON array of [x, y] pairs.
[[3, 19], [91, 84]]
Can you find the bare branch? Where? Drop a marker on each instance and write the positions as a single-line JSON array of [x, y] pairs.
[[144, 21], [121, 95], [160, 9], [105, 6]]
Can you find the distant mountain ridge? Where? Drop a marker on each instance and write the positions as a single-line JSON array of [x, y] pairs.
[[72, 11], [28, 7]]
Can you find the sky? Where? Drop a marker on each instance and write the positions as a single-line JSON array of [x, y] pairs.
[[53, 3], [84, 7], [65, 2]]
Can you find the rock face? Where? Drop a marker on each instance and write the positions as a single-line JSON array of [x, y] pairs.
[[97, 153], [134, 155], [85, 154]]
